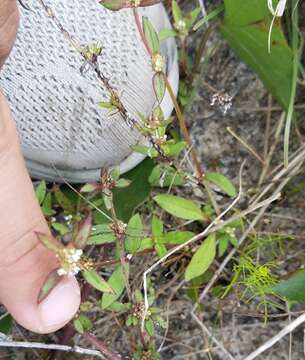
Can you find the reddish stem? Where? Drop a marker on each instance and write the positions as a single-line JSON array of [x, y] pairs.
[[141, 32]]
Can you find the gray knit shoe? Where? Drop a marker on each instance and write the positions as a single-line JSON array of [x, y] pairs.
[[55, 106]]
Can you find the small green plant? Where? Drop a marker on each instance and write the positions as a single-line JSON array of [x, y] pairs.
[[116, 231]]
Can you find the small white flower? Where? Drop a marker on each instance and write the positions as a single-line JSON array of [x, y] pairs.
[[158, 63], [180, 25], [61, 272], [69, 259]]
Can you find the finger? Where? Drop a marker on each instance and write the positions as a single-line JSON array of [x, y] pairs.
[[24, 262], [9, 21]]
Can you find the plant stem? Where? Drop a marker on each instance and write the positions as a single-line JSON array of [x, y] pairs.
[[102, 347], [121, 237], [183, 127], [296, 58]]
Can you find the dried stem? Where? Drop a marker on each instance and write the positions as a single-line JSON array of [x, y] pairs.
[[287, 330], [63, 348], [102, 347]]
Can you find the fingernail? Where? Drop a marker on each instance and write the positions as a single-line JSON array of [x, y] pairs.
[[60, 305]]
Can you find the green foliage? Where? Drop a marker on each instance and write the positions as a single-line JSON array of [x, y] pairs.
[[246, 27], [41, 191], [222, 182], [126, 201], [95, 280], [293, 288], [101, 234], [179, 207], [82, 324], [49, 284], [165, 176], [6, 325], [159, 86], [151, 35], [134, 232], [256, 279], [117, 283], [202, 259]]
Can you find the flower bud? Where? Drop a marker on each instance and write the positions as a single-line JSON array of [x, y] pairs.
[[116, 5]]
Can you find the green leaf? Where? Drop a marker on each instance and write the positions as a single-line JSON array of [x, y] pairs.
[[6, 324], [210, 16], [149, 327], [62, 229], [64, 202], [246, 28], [50, 242], [156, 227], [116, 282], [192, 17], [222, 182], [41, 191], [95, 280], [119, 307], [134, 233], [106, 105], [138, 296], [151, 35], [88, 188], [127, 200], [122, 183], [292, 289], [223, 244], [101, 234], [174, 149], [47, 205], [113, 5], [166, 34], [49, 284], [179, 207], [84, 230], [145, 150], [82, 324], [115, 173], [146, 243], [159, 86], [160, 248], [165, 176], [176, 11], [100, 239], [177, 237], [202, 259]]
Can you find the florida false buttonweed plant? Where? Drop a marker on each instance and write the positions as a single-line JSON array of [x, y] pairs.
[[70, 259]]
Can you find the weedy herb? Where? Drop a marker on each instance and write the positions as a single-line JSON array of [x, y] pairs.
[[176, 212]]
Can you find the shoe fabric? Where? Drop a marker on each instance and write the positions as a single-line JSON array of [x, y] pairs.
[[64, 134]]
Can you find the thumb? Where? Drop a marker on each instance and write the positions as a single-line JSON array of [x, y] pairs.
[[24, 262]]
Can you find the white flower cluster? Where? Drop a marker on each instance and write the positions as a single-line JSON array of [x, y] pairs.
[[223, 100], [71, 258], [158, 63], [180, 25]]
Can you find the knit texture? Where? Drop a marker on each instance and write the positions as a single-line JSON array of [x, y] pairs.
[[55, 106]]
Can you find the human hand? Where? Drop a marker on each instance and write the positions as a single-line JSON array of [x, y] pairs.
[[24, 262]]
